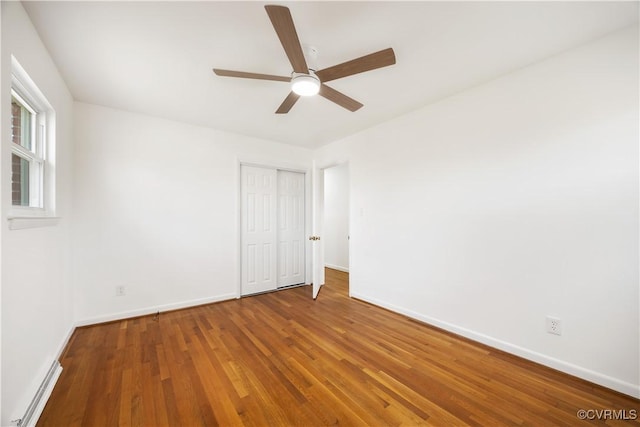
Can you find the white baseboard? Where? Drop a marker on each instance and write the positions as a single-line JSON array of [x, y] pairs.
[[337, 267], [560, 365], [65, 342], [152, 310]]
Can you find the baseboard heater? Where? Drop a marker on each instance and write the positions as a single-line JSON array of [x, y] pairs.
[[31, 415]]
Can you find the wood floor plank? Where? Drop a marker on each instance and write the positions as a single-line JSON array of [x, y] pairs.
[[284, 359]]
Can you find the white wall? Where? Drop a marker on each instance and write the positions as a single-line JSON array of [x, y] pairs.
[[156, 211], [509, 202], [36, 292], [336, 217]]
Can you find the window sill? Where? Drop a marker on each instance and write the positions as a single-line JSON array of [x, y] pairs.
[[22, 222]]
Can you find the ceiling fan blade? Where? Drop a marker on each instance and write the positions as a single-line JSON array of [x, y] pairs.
[[286, 30], [339, 98], [242, 74], [288, 102], [369, 62]]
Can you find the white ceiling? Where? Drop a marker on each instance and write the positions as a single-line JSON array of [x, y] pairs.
[[156, 57]]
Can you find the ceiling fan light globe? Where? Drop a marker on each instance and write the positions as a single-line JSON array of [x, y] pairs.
[[305, 84]]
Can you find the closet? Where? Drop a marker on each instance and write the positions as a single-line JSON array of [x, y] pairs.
[[272, 229]]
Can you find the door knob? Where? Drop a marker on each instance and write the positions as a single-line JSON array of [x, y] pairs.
[[314, 237]]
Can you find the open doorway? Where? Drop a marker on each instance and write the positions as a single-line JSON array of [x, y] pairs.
[[336, 223]]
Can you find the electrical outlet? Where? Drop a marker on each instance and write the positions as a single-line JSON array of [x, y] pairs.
[[119, 291], [554, 325]]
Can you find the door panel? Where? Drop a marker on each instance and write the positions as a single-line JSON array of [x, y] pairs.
[[318, 221], [258, 233], [291, 232]]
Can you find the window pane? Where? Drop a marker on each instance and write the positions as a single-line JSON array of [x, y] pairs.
[[19, 181], [21, 125]]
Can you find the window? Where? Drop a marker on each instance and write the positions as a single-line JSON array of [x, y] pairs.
[[31, 151], [27, 157]]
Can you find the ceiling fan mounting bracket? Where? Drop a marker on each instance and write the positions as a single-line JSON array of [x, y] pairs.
[[311, 55]]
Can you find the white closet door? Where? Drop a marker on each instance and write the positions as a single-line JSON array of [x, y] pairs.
[[259, 231], [291, 232]]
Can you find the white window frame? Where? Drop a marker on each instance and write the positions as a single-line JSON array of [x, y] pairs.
[[41, 157], [35, 156]]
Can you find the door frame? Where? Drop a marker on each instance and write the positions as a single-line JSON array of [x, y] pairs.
[[307, 215], [348, 208], [318, 278]]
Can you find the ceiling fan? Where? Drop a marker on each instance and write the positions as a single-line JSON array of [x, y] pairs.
[[305, 81]]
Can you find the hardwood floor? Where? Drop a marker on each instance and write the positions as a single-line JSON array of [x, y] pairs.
[[284, 359]]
